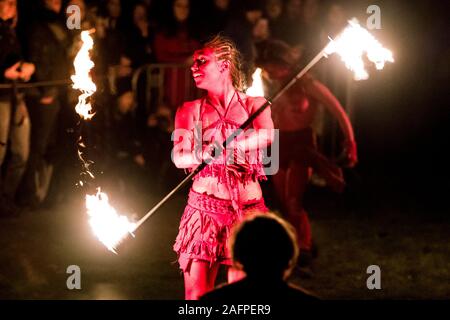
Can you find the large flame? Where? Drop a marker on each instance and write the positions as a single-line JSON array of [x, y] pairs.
[[109, 227], [82, 79], [257, 89], [353, 43]]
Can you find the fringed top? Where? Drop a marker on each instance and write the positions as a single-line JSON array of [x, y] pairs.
[[254, 169]]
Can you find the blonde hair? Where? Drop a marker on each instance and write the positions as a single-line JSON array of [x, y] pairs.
[[225, 49]]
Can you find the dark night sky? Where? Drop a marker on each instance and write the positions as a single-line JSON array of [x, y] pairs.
[[403, 124], [402, 113]]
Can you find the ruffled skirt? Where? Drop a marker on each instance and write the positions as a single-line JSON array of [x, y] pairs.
[[206, 226]]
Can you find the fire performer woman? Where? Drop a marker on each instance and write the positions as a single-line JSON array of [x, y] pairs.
[[227, 189], [293, 114]]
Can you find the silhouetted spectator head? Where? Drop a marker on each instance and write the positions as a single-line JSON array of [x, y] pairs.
[[181, 10], [8, 9], [53, 5], [274, 9], [264, 245]]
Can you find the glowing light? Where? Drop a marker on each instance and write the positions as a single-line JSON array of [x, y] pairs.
[[108, 226], [82, 79], [355, 42], [257, 89]]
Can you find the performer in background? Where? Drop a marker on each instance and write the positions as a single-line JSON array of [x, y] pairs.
[[227, 189], [293, 115]]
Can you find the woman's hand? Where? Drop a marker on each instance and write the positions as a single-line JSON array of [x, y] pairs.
[[211, 151], [236, 163]]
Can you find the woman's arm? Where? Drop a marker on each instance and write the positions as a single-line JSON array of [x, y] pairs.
[[183, 152], [321, 93]]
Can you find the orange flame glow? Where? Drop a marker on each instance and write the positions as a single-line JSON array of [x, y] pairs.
[[353, 43], [257, 89], [81, 79], [108, 226]]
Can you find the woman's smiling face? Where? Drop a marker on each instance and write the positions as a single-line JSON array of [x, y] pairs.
[[206, 70]]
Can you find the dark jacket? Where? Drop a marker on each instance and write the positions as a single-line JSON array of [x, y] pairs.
[[48, 49], [10, 53], [249, 289]]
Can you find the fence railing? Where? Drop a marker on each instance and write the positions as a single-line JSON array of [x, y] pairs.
[[51, 83], [172, 84], [154, 85], [163, 84]]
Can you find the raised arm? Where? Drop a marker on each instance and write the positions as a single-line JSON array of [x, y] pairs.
[[321, 93]]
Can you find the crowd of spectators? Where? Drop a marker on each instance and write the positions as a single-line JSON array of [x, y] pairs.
[[128, 35]]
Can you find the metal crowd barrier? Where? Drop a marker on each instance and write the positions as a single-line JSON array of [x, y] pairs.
[[163, 84], [36, 84], [172, 84], [159, 84]]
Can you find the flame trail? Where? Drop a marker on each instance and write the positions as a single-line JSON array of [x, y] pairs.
[[82, 79], [108, 226]]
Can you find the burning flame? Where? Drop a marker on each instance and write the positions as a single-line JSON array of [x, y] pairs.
[[109, 227], [81, 79], [353, 43], [256, 90]]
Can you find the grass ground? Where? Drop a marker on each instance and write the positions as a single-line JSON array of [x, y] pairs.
[[412, 250]]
